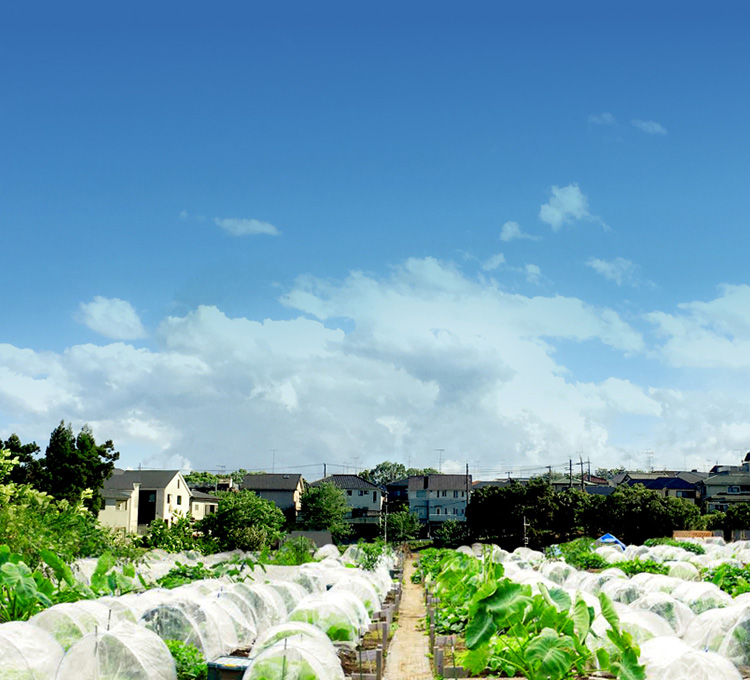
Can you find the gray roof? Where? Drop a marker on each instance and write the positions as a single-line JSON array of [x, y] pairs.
[[200, 496], [116, 494], [728, 479], [148, 479], [347, 482], [417, 483], [271, 482]]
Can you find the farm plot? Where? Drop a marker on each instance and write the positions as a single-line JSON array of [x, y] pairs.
[[282, 622], [645, 612]]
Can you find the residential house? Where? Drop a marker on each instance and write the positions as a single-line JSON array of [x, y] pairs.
[[365, 500], [725, 489], [397, 494], [675, 487], [202, 504], [437, 498], [285, 490], [134, 498]]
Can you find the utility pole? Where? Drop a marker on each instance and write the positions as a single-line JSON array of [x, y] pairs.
[[570, 473], [549, 474], [324, 471], [581, 464], [466, 505], [525, 535]]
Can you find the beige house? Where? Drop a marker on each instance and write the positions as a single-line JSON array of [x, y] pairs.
[[134, 498], [282, 489], [202, 504]]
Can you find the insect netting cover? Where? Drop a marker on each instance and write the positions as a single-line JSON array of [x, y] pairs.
[[185, 622], [290, 629], [558, 572], [27, 652], [677, 614], [672, 659], [119, 610], [139, 603], [736, 643], [622, 590], [291, 593], [288, 661], [65, 622], [533, 579], [527, 555], [236, 605], [701, 597], [331, 615], [125, 652], [466, 550], [266, 603], [593, 583], [656, 583], [309, 578], [327, 551], [380, 579], [641, 624], [685, 571], [362, 589]]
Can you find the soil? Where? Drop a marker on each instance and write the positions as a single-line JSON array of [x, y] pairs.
[[407, 653]]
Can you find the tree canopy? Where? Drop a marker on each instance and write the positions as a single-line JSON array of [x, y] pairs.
[[324, 508], [387, 472]]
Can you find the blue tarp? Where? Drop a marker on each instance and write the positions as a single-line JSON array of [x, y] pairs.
[[609, 539]]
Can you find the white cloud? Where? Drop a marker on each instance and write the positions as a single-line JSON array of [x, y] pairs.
[[493, 262], [533, 273], [566, 205], [111, 317], [512, 231], [434, 359], [602, 119], [618, 270], [245, 227], [650, 127], [714, 334]]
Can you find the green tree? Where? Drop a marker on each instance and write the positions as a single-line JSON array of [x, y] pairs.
[[324, 508], [73, 464], [244, 521], [28, 469], [452, 534], [197, 479], [384, 473], [736, 517], [403, 526]]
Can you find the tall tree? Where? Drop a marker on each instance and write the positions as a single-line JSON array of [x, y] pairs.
[[28, 469], [73, 464], [324, 508]]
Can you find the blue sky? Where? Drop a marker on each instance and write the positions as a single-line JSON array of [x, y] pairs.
[[512, 231]]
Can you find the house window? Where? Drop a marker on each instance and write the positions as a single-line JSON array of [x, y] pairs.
[[455, 494], [374, 497], [179, 500], [462, 494], [122, 505], [445, 493], [455, 511], [437, 511], [169, 498], [733, 489], [178, 483], [361, 492], [348, 492]]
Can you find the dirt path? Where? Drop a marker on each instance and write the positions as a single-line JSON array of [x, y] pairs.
[[407, 653]]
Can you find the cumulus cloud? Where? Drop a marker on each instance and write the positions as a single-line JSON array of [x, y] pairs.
[[111, 317], [493, 262], [512, 231], [602, 119], [533, 273], [618, 270], [245, 227], [713, 334], [566, 205], [650, 127]]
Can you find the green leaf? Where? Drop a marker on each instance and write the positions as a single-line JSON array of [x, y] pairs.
[[508, 602], [608, 612], [556, 597], [581, 618], [629, 668], [63, 573], [550, 654], [99, 579], [475, 660], [480, 629]]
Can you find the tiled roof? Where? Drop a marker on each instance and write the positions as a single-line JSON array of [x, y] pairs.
[[200, 496], [347, 482], [116, 493], [271, 482], [667, 483], [439, 482], [148, 479], [728, 479]]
